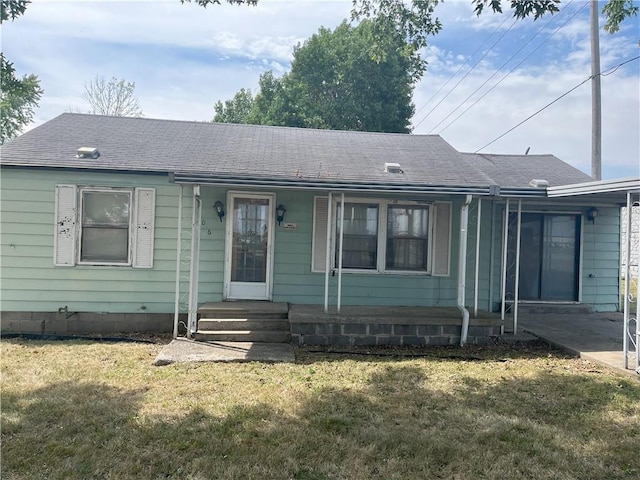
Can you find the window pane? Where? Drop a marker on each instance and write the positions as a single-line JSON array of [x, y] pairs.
[[105, 227], [105, 244], [360, 239], [105, 208], [407, 237]]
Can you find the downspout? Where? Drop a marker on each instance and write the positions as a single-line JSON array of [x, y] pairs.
[[462, 268], [477, 270]]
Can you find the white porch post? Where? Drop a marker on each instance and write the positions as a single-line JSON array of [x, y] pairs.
[[517, 279], [327, 265], [462, 268], [631, 338], [477, 272], [196, 216], [176, 307], [340, 251], [505, 227], [492, 255]]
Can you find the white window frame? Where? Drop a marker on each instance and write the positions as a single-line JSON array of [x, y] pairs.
[[430, 229], [130, 233], [67, 240], [383, 206]]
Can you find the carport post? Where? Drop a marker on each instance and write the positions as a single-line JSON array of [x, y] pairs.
[[505, 228], [517, 279], [627, 275]]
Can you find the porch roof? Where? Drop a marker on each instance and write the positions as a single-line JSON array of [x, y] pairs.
[[608, 191], [279, 156]]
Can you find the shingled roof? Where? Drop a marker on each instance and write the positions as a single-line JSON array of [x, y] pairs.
[[297, 154]]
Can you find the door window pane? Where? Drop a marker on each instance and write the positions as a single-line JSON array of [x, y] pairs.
[[360, 239], [559, 258], [407, 235], [250, 235]]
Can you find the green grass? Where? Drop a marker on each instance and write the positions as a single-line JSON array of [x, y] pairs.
[[78, 410]]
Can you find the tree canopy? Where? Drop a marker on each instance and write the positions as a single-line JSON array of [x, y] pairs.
[[114, 97], [19, 96], [335, 82]]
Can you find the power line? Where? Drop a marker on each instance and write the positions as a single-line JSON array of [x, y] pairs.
[[613, 69], [466, 74], [506, 75], [461, 67]]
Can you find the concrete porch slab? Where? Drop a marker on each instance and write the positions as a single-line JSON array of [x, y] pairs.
[[182, 350]]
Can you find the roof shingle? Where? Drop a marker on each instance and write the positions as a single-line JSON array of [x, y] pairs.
[[150, 145]]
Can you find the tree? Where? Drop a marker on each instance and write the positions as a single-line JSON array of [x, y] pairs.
[[19, 96], [236, 110], [115, 97], [336, 83]]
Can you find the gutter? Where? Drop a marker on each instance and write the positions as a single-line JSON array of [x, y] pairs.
[[462, 268], [186, 178]]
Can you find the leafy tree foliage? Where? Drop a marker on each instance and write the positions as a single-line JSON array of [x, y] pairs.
[[615, 11], [236, 110], [114, 97], [335, 82], [18, 100], [19, 96]]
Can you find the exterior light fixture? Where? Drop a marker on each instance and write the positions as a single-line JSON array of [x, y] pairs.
[[592, 213], [219, 206], [280, 211]]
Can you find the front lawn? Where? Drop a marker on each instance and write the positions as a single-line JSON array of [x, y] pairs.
[[79, 409]]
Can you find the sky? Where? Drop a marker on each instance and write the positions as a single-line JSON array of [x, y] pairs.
[[485, 75]]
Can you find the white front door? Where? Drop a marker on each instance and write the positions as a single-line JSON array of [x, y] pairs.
[[249, 246]]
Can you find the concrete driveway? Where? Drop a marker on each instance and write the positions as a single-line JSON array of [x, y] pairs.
[[595, 336]]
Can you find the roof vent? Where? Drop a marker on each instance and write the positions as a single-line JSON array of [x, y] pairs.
[[539, 183], [392, 168], [88, 152]]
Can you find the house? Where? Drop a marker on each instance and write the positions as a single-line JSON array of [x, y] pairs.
[[120, 224]]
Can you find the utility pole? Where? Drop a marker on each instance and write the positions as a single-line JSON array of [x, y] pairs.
[[596, 101]]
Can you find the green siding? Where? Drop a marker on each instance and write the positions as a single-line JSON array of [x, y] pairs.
[[30, 282]]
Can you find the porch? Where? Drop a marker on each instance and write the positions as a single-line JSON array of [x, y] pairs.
[[355, 325]]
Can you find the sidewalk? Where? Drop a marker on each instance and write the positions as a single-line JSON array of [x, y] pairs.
[[183, 350], [596, 337]]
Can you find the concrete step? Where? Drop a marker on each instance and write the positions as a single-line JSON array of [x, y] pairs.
[[261, 336], [252, 324], [243, 310]]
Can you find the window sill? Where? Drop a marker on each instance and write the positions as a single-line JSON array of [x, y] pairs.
[[398, 273]]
